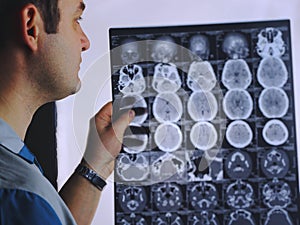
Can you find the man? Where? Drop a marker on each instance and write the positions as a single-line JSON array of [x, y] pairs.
[[40, 54]]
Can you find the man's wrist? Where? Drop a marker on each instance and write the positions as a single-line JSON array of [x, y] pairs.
[[102, 162], [91, 176]]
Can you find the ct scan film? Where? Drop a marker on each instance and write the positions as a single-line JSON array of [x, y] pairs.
[[214, 139]]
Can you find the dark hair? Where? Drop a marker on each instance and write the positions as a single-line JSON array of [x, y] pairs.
[[48, 8], [50, 14]]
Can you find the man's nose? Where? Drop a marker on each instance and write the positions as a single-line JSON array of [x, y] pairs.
[[85, 42]]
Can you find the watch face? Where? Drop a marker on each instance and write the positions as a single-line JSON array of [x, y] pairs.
[[92, 176]]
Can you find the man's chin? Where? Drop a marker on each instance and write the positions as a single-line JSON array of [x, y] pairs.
[[77, 87], [71, 92]]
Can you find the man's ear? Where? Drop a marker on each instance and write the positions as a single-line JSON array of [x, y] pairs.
[[31, 23]]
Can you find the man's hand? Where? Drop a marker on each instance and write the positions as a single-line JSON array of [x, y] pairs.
[[105, 139], [104, 144]]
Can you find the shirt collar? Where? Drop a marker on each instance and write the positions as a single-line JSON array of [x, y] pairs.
[[9, 139]]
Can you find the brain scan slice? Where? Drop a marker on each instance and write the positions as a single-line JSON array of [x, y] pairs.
[[235, 45], [239, 195], [241, 217], [236, 74], [167, 107], [275, 132], [168, 218], [278, 216], [132, 198], [205, 166], [275, 163], [203, 196], [201, 76], [199, 46], [130, 51], [272, 72], [164, 49], [203, 135], [135, 139], [132, 168], [135, 143], [270, 43], [131, 219], [166, 78], [205, 218], [168, 137], [238, 165], [239, 134], [273, 102], [167, 197], [136, 103], [215, 160], [237, 104], [276, 193], [167, 166], [131, 80], [202, 106]]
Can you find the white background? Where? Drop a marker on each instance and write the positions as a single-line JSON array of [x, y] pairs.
[[75, 111]]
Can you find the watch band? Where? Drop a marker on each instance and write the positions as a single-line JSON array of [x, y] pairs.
[[91, 175]]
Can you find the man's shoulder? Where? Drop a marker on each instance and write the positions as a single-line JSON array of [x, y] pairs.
[[25, 182], [23, 207], [16, 172]]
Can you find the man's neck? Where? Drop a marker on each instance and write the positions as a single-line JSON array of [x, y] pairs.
[[18, 98], [17, 112]]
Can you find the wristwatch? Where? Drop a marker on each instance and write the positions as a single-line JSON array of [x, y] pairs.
[[91, 175]]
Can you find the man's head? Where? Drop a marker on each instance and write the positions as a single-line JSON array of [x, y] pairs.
[[48, 8], [46, 39], [50, 13]]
